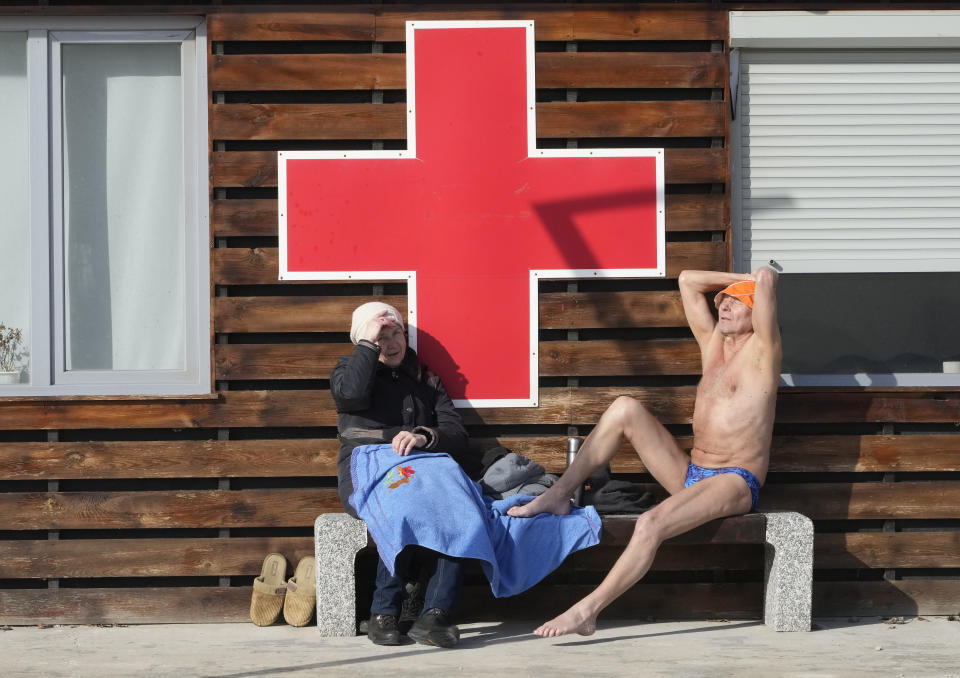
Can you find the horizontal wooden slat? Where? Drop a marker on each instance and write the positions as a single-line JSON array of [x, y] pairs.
[[616, 358], [654, 601], [864, 501], [625, 69], [631, 119], [856, 501], [242, 266], [658, 601], [308, 121], [212, 604], [278, 72], [260, 266], [552, 24], [558, 310], [91, 558], [162, 605], [239, 556], [697, 212], [562, 405], [818, 453], [852, 406], [649, 23], [576, 310], [887, 550], [388, 24], [864, 550], [169, 459], [886, 598], [249, 169], [330, 24], [292, 314], [253, 169], [218, 458], [253, 409], [277, 361], [250, 217], [696, 165], [579, 22], [628, 461], [927, 452], [349, 24], [317, 456], [558, 405], [746, 529], [557, 358], [164, 509], [262, 122], [674, 558]]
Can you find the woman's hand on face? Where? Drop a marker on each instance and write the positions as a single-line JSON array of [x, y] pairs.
[[374, 326], [405, 442]]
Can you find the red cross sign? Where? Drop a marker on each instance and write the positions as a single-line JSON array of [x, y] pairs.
[[472, 215]]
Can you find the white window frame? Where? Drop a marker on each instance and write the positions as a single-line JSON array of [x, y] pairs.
[[881, 29], [48, 376]]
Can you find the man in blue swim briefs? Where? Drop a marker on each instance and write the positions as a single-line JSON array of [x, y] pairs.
[[732, 427]]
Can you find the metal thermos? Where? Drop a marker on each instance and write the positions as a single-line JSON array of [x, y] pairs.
[[573, 446]]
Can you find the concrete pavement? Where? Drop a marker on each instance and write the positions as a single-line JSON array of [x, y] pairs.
[[915, 648]]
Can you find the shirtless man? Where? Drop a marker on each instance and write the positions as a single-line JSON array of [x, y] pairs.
[[732, 427]]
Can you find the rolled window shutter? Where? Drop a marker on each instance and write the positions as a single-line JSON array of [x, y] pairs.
[[849, 161]]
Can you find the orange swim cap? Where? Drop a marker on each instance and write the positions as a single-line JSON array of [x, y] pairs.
[[742, 291]]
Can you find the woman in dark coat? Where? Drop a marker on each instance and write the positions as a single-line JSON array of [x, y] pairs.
[[384, 395]]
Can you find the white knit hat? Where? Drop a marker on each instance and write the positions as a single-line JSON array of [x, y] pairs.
[[366, 312]]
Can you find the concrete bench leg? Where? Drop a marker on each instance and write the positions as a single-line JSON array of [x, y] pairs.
[[337, 540], [788, 572]]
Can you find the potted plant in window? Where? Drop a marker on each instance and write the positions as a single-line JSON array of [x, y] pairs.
[[11, 353]]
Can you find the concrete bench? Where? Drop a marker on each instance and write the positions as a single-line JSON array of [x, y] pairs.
[[788, 571]]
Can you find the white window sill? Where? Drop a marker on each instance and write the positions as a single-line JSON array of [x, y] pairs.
[[916, 379]]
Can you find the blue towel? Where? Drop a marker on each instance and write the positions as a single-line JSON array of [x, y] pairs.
[[426, 499]]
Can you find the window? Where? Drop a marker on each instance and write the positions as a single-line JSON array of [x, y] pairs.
[[847, 177], [105, 213]]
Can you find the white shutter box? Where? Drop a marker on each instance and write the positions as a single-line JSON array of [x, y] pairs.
[[848, 160]]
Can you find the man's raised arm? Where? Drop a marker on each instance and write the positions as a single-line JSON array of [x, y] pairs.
[[693, 286], [765, 325]]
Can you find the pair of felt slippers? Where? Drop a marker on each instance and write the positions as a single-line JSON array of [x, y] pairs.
[[273, 592]]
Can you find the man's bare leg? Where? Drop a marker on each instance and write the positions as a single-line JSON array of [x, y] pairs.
[[714, 497], [625, 419]]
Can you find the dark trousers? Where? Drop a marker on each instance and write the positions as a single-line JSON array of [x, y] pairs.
[[444, 575]]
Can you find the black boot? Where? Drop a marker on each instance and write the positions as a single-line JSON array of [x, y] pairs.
[[434, 628], [412, 605], [382, 629]]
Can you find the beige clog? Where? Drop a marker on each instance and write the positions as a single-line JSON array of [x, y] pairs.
[[269, 590], [301, 600]]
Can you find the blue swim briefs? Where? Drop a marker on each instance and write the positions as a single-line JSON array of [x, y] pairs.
[[697, 473]]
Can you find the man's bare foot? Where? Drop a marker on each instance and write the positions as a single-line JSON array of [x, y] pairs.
[[548, 502], [571, 621]]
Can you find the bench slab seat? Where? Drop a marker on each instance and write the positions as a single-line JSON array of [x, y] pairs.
[[788, 571]]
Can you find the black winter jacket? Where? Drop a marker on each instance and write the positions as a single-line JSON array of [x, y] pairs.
[[375, 402]]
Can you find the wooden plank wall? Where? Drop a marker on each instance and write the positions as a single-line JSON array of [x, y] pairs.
[[161, 510]]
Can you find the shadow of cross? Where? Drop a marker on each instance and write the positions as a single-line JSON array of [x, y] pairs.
[[460, 214]]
